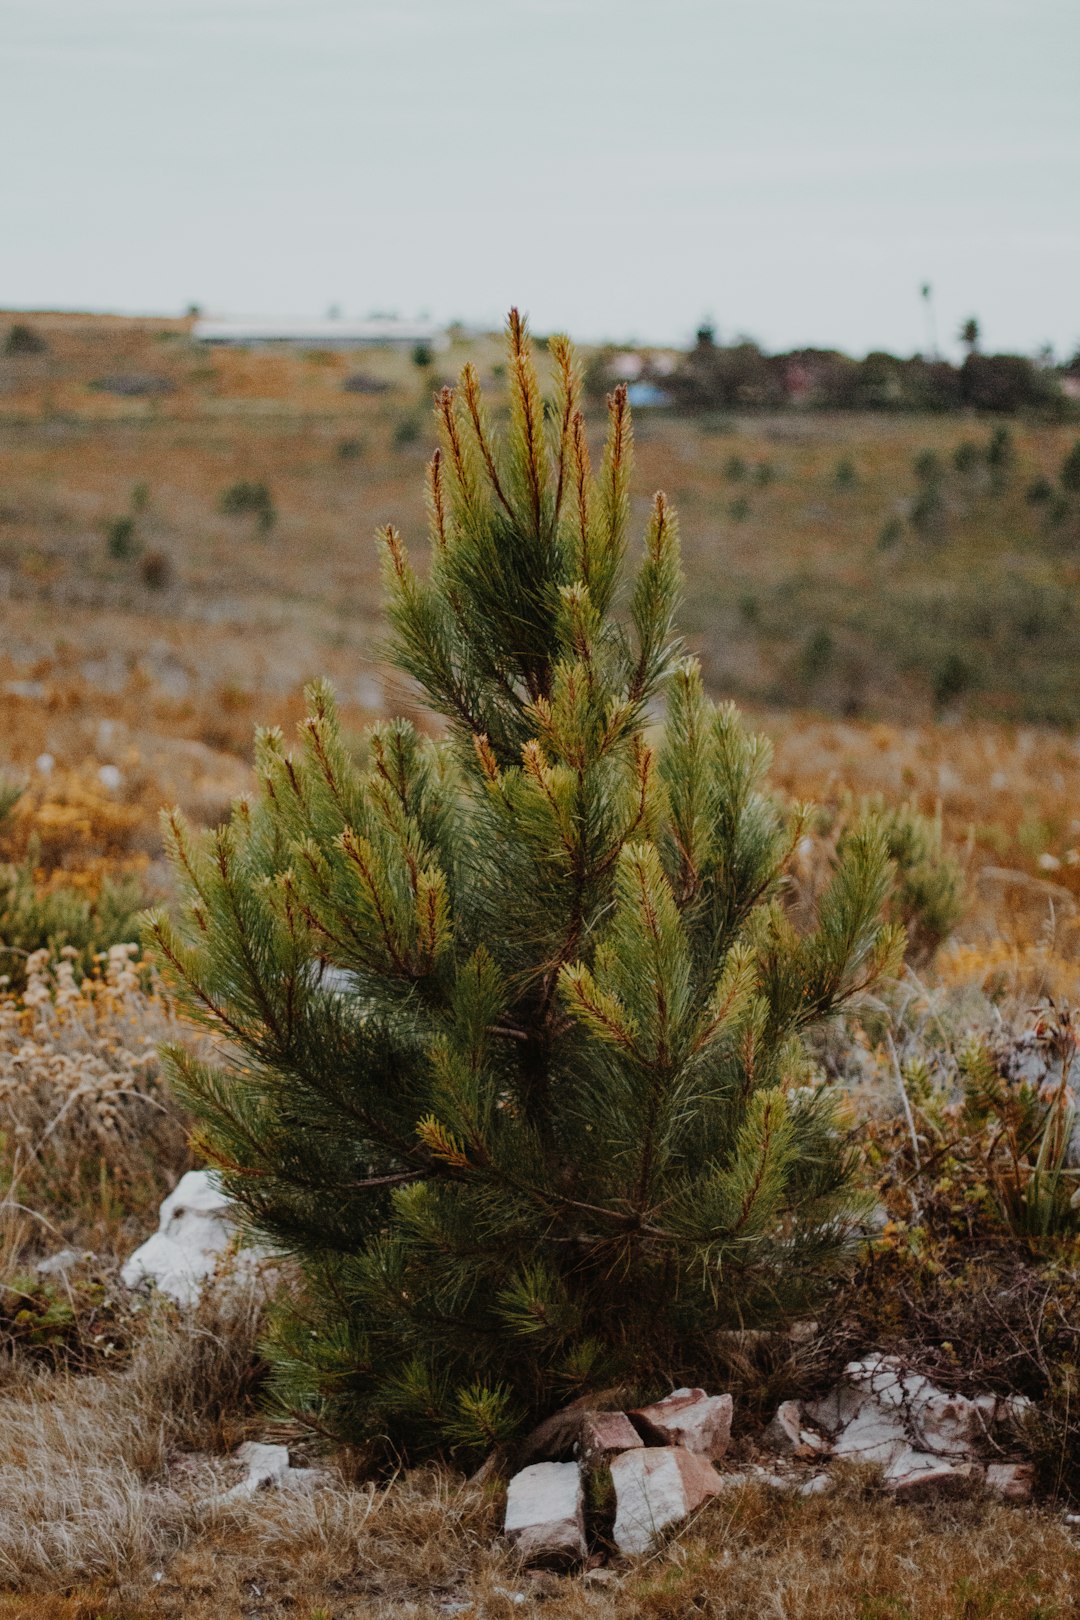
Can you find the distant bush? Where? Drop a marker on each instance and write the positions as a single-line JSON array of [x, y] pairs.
[[249, 497], [929, 468], [121, 539], [350, 450], [739, 510], [927, 515], [1004, 383], [1070, 470], [953, 678], [407, 431], [55, 916], [1001, 451], [816, 655], [1039, 492], [735, 469], [967, 456], [423, 355], [845, 475], [23, 339], [892, 531], [156, 570], [928, 897], [764, 473]]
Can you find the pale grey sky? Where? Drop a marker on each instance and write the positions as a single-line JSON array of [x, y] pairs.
[[792, 168]]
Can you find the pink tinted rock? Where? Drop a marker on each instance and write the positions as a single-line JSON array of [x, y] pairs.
[[918, 1474], [545, 1514], [1012, 1482], [654, 1487], [607, 1431], [690, 1418]]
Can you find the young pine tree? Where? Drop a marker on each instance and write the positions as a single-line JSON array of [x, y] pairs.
[[512, 1020]]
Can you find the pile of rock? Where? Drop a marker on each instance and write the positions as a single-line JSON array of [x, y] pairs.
[[664, 1459]]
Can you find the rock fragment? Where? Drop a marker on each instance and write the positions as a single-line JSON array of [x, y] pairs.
[[654, 1487], [545, 1513], [603, 1432], [690, 1418]]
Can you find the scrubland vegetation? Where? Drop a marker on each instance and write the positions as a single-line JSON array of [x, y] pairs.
[[913, 676]]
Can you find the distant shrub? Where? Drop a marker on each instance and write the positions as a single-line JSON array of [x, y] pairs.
[[927, 514], [749, 609], [55, 916], [928, 897], [140, 497], [892, 531], [406, 431], [423, 355], [1070, 470], [764, 473], [1001, 451], [362, 382], [929, 468], [350, 450], [739, 510], [156, 570], [23, 339], [845, 475], [953, 678], [249, 497], [121, 539], [1005, 383], [816, 655], [1039, 492], [735, 469], [967, 456]]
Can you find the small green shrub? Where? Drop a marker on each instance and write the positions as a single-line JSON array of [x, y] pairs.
[[735, 469], [764, 474], [953, 678], [929, 469], [1039, 492], [34, 917], [739, 510], [928, 897], [350, 450], [23, 339], [250, 497], [422, 356], [407, 431], [892, 532], [966, 457], [845, 474], [927, 515], [120, 538], [1070, 470]]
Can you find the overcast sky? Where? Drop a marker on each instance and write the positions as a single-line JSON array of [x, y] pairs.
[[620, 168]]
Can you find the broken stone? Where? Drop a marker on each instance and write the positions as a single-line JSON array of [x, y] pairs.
[[786, 1434], [654, 1487], [196, 1228], [603, 1432], [545, 1513], [66, 1260], [1012, 1482], [690, 1418], [267, 1467], [916, 1475]]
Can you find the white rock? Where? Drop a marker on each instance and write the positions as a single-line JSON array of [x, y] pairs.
[[690, 1418], [655, 1487], [915, 1474], [66, 1260], [545, 1513], [268, 1467], [1012, 1482], [110, 777], [195, 1229], [786, 1433]]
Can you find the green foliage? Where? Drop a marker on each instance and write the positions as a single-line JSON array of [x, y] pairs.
[[407, 431], [928, 895], [1070, 470], [514, 1019], [422, 355], [35, 916], [845, 474], [24, 339], [954, 677], [120, 538], [250, 497]]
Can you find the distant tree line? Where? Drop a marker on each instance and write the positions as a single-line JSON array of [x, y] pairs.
[[716, 376]]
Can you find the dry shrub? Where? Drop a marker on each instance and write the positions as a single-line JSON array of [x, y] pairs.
[[89, 1132]]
